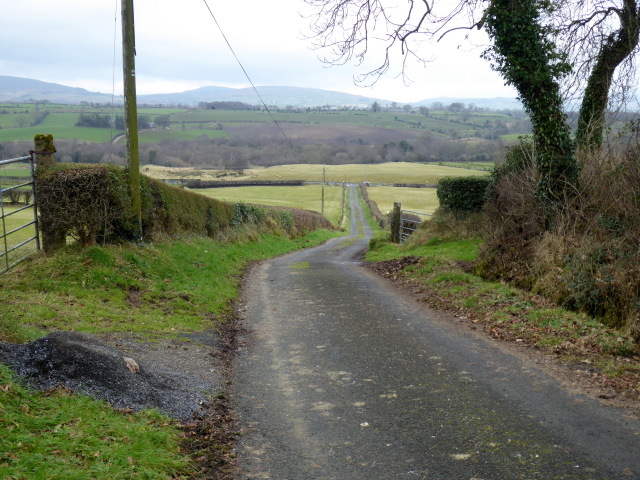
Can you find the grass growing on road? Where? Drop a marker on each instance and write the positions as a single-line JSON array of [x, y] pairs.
[[152, 289], [437, 264]]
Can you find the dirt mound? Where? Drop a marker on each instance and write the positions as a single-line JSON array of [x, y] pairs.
[[88, 365]]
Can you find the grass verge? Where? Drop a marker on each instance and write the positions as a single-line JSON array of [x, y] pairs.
[[175, 286], [59, 435]]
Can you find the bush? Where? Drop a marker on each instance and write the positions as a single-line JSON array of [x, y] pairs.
[[93, 204], [13, 196], [463, 194], [584, 255]]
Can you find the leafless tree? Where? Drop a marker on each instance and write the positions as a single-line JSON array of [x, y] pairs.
[[350, 30], [599, 37]]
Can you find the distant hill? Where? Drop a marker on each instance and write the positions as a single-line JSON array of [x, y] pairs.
[[16, 89], [280, 96], [497, 103]]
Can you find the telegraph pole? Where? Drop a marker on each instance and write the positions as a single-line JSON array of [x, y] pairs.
[[324, 180], [131, 108]]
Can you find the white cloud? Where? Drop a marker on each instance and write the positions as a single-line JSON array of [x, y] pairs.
[[179, 47]]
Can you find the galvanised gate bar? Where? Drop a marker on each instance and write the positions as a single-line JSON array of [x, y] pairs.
[[19, 236]]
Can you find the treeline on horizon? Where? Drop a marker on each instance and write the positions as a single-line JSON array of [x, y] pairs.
[[254, 145], [261, 144]]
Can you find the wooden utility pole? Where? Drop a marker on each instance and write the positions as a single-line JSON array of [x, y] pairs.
[[344, 198], [131, 107], [324, 180]]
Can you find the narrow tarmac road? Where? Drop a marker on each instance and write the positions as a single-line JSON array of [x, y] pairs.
[[344, 378]]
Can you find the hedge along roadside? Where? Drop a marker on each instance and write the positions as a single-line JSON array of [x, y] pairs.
[[382, 220], [92, 203], [463, 194]]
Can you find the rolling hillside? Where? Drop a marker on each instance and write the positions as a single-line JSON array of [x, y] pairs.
[[20, 90]]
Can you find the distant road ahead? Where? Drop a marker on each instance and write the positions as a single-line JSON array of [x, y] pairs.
[[344, 378]]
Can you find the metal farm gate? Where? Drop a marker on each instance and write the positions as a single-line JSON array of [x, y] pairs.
[[19, 220], [409, 222]]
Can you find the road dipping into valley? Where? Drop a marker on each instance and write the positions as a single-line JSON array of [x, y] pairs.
[[342, 377]]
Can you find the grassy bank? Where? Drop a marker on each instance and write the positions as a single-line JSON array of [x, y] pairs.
[[162, 288], [437, 266]]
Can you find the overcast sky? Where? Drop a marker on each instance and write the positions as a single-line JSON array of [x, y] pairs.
[[180, 48]]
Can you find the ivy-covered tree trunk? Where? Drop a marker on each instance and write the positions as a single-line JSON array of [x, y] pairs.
[[528, 60], [618, 46]]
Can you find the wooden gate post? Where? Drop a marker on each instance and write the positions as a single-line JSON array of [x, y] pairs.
[[395, 222], [52, 238]]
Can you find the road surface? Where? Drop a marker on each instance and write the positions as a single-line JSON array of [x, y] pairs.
[[344, 378]]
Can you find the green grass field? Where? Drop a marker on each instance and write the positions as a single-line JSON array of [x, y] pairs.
[[58, 131], [15, 120], [423, 200], [13, 222], [387, 173], [15, 170], [308, 197], [483, 166], [58, 435]]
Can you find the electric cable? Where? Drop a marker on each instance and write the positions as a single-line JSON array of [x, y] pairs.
[[246, 74], [113, 83]]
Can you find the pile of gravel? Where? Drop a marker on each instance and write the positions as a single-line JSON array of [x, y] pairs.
[[177, 376]]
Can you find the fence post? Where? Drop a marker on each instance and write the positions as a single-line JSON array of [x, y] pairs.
[[395, 222], [52, 238], [44, 150]]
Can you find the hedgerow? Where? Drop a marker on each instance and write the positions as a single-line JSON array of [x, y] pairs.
[[92, 204], [463, 194], [382, 220]]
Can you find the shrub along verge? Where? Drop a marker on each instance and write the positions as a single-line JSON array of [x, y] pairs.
[[381, 219], [583, 256], [463, 194], [92, 204]]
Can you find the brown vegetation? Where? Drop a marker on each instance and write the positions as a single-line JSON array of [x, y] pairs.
[[583, 256]]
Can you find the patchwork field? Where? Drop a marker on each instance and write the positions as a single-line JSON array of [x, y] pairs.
[[387, 173], [20, 122]]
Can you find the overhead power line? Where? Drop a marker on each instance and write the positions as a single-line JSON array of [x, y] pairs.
[[246, 74], [113, 83]]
